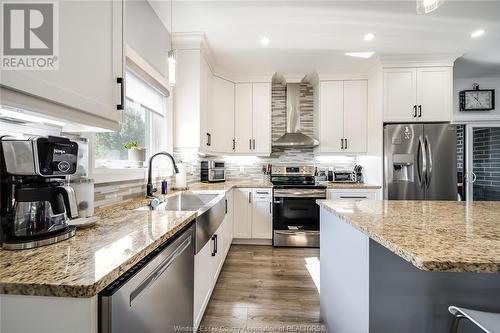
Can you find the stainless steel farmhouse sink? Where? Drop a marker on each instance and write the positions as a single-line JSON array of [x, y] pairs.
[[211, 208]]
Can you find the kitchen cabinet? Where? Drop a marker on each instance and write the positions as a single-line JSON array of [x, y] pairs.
[[192, 101], [242, 223], [252, 118], [243, 118], [417, 94], [254, 213], [91, 60], [221, 116], [261, 118], [353, 194], [343, 113], [262, 215]]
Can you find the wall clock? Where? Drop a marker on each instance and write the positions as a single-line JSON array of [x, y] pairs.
[[477, 99]]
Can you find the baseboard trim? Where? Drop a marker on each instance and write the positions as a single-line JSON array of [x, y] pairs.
[[252, 241]]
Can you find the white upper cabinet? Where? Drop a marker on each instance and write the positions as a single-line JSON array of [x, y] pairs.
[[261, 118], [418, 94], [343, 116], [252, 127], [400, 94], [331, 118], [243, 118], [91, 56], [355, 115], [221, 116], [434, 93]]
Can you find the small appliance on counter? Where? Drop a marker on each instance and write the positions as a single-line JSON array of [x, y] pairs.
[[36, 201], [344, 176], [213, 171]]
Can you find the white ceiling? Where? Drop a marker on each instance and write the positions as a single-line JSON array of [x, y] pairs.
[[313, 35]]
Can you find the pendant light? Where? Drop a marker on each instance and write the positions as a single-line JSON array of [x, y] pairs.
[[427, 6], [171, 57]]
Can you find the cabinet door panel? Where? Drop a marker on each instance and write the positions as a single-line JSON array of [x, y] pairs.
[[262, 218], [205, 106], [434, 93], [400, 94], [331, 120], [221, 118], [242, 222], [204, 272], [90, 60], [261, 118], [243, 117], [355, 115]]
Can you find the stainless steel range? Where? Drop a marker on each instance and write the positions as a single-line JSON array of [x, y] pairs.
[[296, 214]]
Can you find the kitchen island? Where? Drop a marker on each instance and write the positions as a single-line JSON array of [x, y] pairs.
[[396, 266]]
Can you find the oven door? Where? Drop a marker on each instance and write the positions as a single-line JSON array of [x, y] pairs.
[[296, 210]]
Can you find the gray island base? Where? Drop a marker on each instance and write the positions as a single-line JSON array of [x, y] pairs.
[[367, 288]]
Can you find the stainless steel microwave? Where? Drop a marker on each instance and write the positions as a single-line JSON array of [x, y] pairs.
[[213, 171]]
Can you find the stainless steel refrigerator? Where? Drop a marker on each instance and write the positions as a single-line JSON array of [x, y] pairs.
[[420, 162]]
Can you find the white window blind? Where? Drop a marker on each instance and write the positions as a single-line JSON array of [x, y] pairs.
[[141, 92]]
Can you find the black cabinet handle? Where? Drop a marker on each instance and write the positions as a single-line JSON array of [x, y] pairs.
[[420, 111], [414, 111], [121, 106], [214, 251], [234, 144], [226, 206], [342, 143], [270, 207], [345, 143], [253, 144], [250, 144], [216, 243], [209, 139]]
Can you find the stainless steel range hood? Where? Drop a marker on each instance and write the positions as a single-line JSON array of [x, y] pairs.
[[293, 137]]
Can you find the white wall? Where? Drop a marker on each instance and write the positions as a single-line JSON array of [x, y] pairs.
[[487, 76], [372, 161]]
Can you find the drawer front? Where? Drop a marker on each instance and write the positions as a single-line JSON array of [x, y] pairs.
[[262, 193], [352, 194]]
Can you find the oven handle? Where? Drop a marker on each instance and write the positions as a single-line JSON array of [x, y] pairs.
[[318, 194]]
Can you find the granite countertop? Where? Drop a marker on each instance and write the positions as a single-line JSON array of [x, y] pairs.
[[442, 236], [88, 262]]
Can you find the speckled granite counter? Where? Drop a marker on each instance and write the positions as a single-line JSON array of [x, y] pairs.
[[85, 264], [443, 236]]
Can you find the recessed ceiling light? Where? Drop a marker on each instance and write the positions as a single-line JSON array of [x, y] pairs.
[[364, 55], [369, 37], [265, 41], [477, 33]]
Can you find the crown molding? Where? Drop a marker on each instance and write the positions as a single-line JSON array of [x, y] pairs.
[[195, 41], [419, 60]]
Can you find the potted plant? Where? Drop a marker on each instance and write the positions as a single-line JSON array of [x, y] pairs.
[[134, 152]]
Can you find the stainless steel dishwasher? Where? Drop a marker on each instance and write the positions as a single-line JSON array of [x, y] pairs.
[[156, 295]]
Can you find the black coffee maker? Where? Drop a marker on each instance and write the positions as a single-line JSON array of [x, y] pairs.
[[35, 202]]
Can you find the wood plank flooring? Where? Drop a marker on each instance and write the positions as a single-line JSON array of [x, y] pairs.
[[264, 289]]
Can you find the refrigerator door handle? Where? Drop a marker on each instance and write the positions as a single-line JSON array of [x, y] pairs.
[[428, 174], [421, 169]]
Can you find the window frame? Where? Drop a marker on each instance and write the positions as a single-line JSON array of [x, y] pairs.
[[140, 68]]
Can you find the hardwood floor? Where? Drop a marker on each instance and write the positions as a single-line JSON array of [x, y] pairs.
[[264, 289]]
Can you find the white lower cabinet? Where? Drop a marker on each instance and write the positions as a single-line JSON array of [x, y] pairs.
[[243, 218], [209, 261], [353, 194], [253, 219]]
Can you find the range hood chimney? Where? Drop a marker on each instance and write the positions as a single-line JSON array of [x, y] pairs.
[[293, 137]]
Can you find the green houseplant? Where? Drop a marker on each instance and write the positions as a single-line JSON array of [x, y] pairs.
[[134, 152]]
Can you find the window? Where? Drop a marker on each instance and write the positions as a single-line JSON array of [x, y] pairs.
[[144, 122]]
